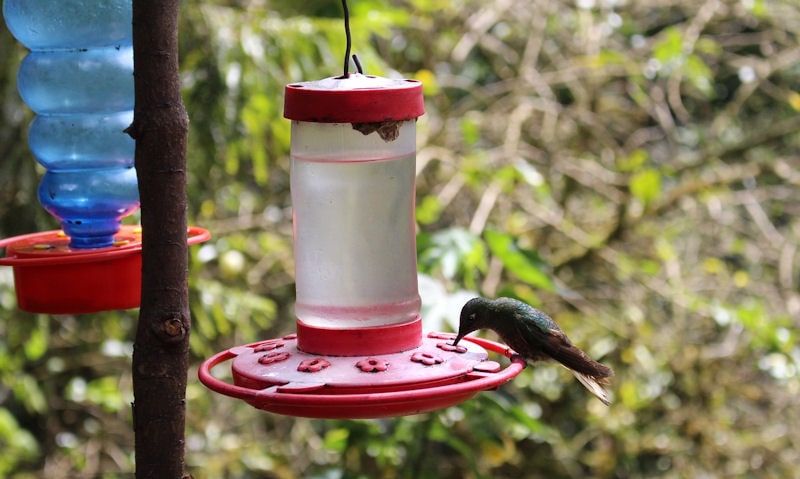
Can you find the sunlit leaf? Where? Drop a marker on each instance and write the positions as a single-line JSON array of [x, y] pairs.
[[669, 49], [794, 100], [105, 392], [646, 185], [36, 345], [29, 392], [428, 210], [470, 130], [449, 252], [429, 84], [336, 439], [17, 445], [525, 264], [634, 161], [699, 74]]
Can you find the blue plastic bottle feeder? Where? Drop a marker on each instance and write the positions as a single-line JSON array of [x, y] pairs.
[[78, 79]]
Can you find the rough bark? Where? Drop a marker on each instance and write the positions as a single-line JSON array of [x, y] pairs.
[[161, 348]]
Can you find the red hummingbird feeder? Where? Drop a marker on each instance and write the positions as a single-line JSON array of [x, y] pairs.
[[359, 350]]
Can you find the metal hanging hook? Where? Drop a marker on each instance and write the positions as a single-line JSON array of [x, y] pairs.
[[358, 63], [349, 38]]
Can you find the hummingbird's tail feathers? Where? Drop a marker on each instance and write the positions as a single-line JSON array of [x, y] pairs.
[[589, 372], [595, 386], [566, 353]]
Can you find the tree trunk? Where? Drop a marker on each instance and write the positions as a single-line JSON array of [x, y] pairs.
[[161, 349]]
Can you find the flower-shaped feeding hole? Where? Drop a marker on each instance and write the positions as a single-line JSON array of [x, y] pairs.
[[372, 365], [268, 346], [449, 347], [427, 359], [273, 357], [313, 365]]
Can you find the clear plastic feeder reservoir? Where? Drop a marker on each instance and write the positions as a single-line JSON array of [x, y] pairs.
[[353, 168]]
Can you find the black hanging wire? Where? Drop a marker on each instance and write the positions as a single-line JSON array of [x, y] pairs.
[[349, 44]]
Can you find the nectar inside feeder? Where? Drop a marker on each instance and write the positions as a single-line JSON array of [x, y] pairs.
[[78, 80], [359, 350]]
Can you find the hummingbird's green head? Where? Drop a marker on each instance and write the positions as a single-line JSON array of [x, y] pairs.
[[474, 315]]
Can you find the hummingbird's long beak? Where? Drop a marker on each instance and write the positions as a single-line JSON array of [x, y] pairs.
[[458, 338]]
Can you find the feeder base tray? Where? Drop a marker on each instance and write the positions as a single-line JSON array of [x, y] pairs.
[[276, 376], [51, 277]]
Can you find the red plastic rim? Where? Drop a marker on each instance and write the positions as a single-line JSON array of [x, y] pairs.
[[25, 249], [355, 99], [318, 400]]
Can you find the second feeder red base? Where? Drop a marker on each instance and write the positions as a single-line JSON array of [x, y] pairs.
[[51, 277], [276, 376]]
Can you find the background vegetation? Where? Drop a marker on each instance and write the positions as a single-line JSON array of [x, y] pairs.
[[633, 168]]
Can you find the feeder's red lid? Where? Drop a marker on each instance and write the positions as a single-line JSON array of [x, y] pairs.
[[355, 99]]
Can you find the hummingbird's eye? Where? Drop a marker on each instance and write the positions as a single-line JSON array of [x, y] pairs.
[[471, 317]]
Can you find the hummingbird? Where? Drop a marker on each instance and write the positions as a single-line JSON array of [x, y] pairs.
[[534, 336]]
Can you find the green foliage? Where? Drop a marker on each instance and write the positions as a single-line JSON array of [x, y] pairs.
[[454, 253], [645, 185], [630, 167], [17, 445]]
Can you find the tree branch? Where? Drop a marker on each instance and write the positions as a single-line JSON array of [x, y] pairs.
[[161, 349]]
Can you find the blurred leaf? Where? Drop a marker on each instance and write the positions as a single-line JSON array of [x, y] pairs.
[[794, 100], [637, 159], [440, 307], [708, 46], [105, 392], [699, 74], [16, 444], [451, 252], [645, 185], [36, 345], [429, 84], [336, 439], [428, 210], [758, 8], [608, 57], [470, 131], [669, 49], [525, 264]]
